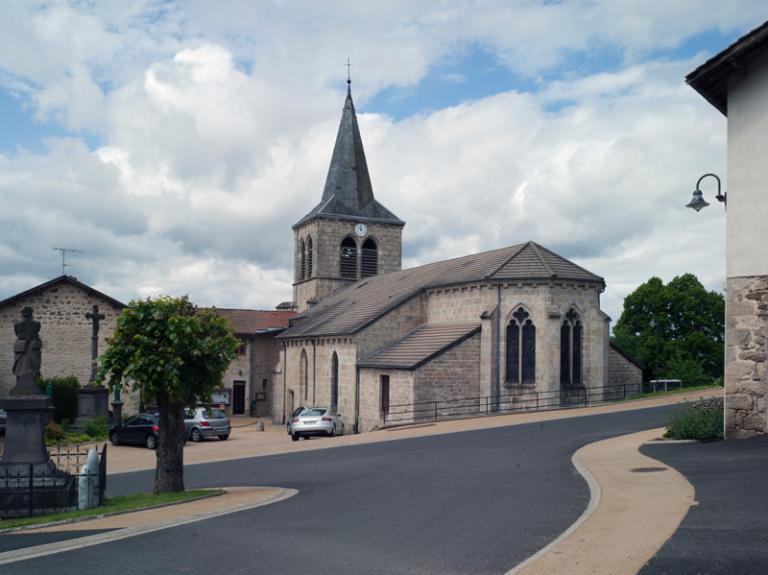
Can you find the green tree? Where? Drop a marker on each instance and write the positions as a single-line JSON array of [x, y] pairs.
[[676, 330], [169, 350]]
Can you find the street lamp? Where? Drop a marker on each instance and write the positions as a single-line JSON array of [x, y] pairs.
[[698, 202]]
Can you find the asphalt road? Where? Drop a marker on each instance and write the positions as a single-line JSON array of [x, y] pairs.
[[472, 503], [727, 532]]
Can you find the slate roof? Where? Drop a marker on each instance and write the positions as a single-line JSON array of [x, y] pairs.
[[711, 78], [419, 346], [350, 309], [348, 193], [247, 321], [62, 279]]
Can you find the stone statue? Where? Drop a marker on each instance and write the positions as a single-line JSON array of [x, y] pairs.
[[27, 353]]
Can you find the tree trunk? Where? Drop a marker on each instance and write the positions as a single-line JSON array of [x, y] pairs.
[[169, 471]]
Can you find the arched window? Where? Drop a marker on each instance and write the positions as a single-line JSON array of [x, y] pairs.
[[303, 387], [309, 257], [334, 382], [570, 349], [521, 348], [302, 261], [348, 259], [370, 259]]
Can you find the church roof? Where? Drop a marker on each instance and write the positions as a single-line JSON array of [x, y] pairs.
[[348, 193], [419, 346], [711, 78], [350, 309], [60, 280]]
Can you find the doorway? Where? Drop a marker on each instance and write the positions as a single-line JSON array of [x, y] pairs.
[[238, 398]]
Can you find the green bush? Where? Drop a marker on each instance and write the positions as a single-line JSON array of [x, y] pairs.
[[63, 396], [97, 428], [702, 421]]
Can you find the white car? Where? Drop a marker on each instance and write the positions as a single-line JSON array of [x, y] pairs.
[[312, 421], [202, 422]]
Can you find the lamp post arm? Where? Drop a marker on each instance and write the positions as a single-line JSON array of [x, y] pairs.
[[720, 196]]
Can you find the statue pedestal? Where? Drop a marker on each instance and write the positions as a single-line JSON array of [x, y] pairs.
[[25, 429], [117, 412], [91, 402]]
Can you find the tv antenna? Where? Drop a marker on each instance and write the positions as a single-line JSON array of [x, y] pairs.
[[64, 252]]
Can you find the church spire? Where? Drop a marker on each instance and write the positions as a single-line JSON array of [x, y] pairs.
[[348, 193]]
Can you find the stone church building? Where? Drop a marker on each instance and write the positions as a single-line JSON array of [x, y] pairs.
[[512, 327]]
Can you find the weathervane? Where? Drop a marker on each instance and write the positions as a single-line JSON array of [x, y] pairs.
[[349, 71]]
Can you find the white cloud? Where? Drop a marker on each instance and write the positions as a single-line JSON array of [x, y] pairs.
[[217, 124]]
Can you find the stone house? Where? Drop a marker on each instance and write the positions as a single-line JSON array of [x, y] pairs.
[[518, 326], [61, 306], [735, 82]]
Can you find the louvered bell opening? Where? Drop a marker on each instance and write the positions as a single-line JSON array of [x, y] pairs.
[[309, 258], [348, 259], [370, 263]]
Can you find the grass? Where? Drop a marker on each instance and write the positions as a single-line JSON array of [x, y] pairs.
[[114, 505], [692, 388]]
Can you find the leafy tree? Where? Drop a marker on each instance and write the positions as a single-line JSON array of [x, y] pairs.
[[169, 350], [682, 319]]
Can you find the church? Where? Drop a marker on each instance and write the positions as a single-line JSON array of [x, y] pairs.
[[512, 328]]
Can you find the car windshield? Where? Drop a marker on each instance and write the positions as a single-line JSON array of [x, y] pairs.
[[214, 414], [313, 412]]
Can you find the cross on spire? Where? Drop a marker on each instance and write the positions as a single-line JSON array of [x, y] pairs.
[[349, 72]]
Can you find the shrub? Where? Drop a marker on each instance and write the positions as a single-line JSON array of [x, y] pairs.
[[702, 421], [63, 396], [54, 432], [96, 428]]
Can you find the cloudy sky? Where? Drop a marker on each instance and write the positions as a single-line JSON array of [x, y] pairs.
[[175, 143]]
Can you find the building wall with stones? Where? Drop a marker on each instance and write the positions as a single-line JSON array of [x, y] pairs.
[[746, 384], [327, 236], [453, 375], [624, 376], [65, 333], [400, 393]]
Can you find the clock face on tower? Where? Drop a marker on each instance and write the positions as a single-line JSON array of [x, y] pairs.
[[361, 230]]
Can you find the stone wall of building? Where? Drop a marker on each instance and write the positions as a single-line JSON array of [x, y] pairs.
[[746, 385], [451, 376], [400, 393], [327, 236], [624, 376], [394, 325], [65, 332]]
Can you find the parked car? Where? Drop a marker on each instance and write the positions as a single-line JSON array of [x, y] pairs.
[[311, 421], [141, 429], [295, 413], [202, 422], [3, 420]]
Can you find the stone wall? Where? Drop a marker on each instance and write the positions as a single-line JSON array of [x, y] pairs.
[[394, 325], [450, 376], [624, 376], [327, 236], [65, 332], [400, 393], [746, 387]]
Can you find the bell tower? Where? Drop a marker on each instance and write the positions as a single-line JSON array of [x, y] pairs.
[[349, 235]]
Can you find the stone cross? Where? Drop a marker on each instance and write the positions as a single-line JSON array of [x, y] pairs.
[[95, 317]]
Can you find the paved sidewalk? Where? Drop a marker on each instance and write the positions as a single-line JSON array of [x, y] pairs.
[[247, 441]]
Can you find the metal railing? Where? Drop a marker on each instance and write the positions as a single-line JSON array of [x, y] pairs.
[[42, 488], [515, 400]]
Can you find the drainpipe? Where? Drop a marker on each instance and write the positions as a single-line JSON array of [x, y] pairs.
[[357, 399], [285, 380], [497, 330], [252, 370], [314, 371]]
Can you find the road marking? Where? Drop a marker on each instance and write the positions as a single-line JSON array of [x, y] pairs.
[[98, 539]]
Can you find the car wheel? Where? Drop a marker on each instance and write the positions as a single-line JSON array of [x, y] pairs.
[[196, 435], [294, 437], [151, 441], [115, 438], [224, 437], [332, 432]]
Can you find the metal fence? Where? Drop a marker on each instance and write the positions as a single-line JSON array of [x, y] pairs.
[[43, 488], [513, 401]]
